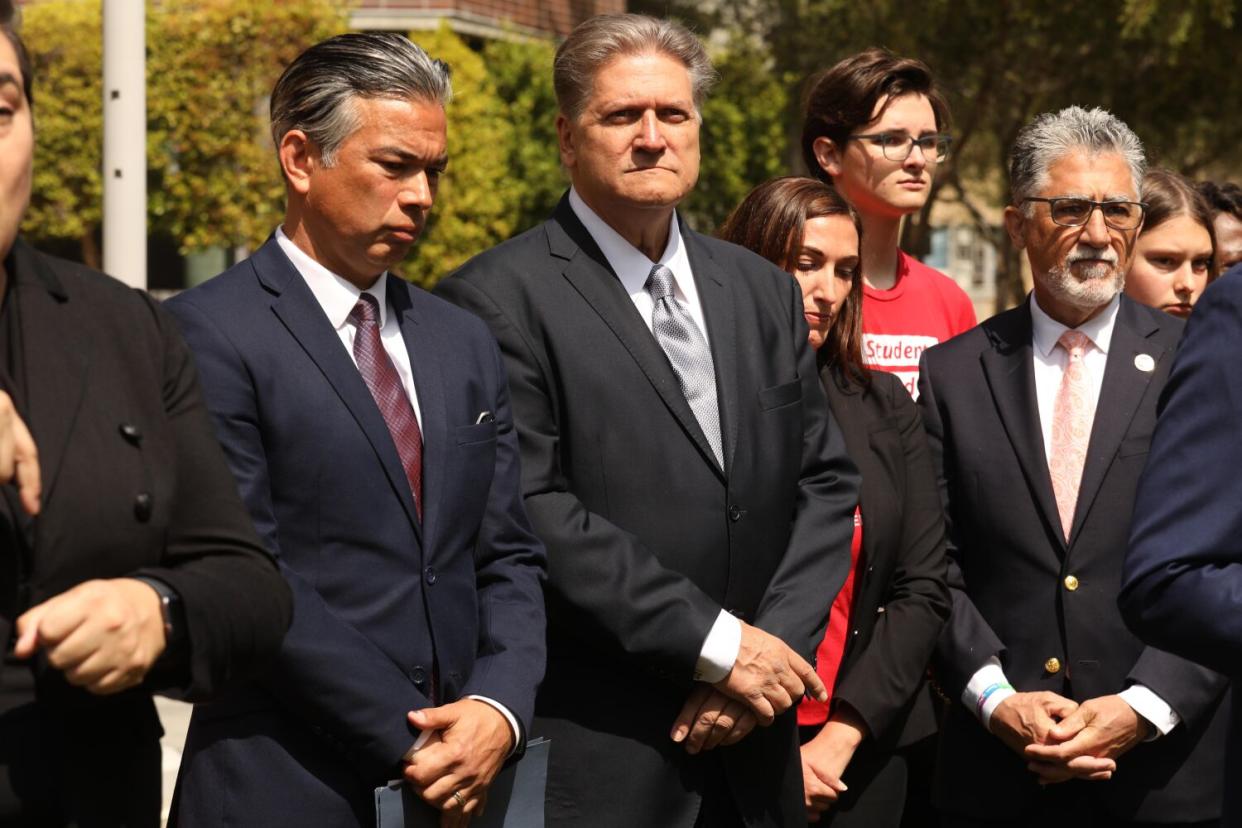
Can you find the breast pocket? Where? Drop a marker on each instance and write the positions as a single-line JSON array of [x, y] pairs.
[[477, 433], [780, 395]]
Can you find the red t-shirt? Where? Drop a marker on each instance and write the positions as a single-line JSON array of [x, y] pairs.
[[828, 653], [923, 308]]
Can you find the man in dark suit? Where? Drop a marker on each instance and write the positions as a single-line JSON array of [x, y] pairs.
[[678, 460], [368, 425], [128, 564], [1039, 421], [1184, 568]]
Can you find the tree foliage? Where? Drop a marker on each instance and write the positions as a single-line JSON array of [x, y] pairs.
[[211, 66], [476, 205], [65, 43]]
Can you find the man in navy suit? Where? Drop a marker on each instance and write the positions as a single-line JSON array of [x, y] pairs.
[[1183, 573], [369, 428]]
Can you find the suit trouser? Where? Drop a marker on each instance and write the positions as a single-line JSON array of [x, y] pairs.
[[1067, 805]]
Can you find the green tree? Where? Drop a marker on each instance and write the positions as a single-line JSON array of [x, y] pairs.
[[211, 67], [743, 136], [477, 202], [65, 47], [522, 74]]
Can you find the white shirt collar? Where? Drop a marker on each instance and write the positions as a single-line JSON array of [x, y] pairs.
[[629, 263], [336, 295], [1045, 330]]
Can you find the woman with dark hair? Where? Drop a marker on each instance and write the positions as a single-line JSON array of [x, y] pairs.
[[876, 129], [883, 624], [1175, 255]]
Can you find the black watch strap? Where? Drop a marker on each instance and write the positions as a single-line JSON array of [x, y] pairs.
[[171, 610]]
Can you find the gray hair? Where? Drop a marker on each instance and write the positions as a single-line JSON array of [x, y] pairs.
[[1051, 136], [604, 37], [316, 93]]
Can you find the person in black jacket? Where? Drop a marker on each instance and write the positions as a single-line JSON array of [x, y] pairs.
[[127, 562], [884, 623]]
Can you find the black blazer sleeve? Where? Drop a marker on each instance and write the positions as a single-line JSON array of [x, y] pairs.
[[648, 611], [967, 641], [237, 607], [817, 558], [881, 681]]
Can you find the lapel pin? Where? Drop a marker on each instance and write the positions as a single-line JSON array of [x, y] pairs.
[[1145, 363]]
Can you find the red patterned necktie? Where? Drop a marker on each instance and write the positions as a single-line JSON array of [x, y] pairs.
[[1072, 417], [381, 377]]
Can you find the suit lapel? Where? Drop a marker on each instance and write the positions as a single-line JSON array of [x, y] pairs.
[[57, 359], [1010, 372], [1121, 393], [588, 271], [298, 310], [428, 384]]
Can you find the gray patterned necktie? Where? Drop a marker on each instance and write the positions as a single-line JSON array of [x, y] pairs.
[[687, 350]]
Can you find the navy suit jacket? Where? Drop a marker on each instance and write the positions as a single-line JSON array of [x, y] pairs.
[[383, 605], [1182, 583]]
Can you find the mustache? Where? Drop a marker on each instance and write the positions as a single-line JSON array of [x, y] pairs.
[[1086, 252]]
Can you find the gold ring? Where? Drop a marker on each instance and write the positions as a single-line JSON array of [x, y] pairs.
[[461, 801]]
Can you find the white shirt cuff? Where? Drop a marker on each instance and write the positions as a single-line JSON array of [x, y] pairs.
[[719, 649], [509, 717], [987, 688], [424, 735], [1152, 708]]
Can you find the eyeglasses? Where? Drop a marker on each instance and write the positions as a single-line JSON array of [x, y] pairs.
[[897, 146], [1075, 212]]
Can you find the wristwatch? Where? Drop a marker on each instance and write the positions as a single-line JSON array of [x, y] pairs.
[[171, 610]]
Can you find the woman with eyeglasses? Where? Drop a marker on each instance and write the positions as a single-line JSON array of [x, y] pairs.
[[884, 622], [1174, 258], [876, 129]]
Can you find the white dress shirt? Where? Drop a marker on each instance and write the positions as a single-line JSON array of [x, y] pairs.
[[1050, 362], [337, 297], [632, 267]]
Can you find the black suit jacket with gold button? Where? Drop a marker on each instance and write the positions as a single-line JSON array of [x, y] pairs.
[[1010, 564]]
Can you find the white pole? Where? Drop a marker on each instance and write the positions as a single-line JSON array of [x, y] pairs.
[[125, 141]]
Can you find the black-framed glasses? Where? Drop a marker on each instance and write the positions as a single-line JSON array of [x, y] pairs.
[[897, 146], [1075, 212]]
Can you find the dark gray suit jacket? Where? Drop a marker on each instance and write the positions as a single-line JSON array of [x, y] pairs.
[[1009, 562], [648, 538]]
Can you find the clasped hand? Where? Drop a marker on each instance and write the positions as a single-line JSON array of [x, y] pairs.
[[767, 678], [470, 741], [1062, 739]]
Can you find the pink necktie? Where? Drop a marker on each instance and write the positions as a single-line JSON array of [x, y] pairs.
[[385, 384], [1071, 427]]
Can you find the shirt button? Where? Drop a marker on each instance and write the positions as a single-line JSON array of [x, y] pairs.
[[131, 433], [1053, 665], [429, 575], [735, 514], [1071, 583]]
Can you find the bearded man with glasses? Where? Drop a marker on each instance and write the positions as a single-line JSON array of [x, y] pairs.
[[1039, 423]]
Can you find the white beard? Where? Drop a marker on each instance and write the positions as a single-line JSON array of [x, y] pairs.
[[1098, 285]]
